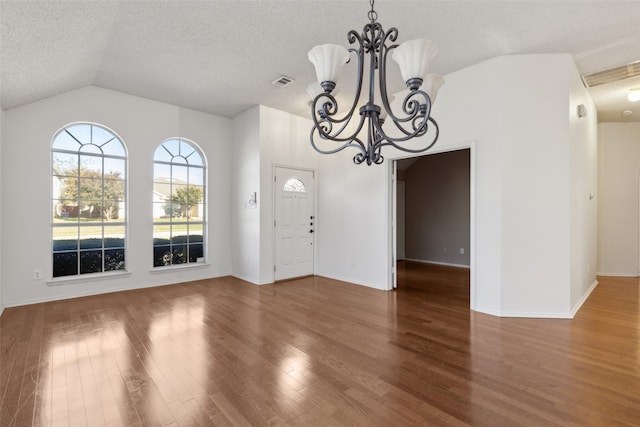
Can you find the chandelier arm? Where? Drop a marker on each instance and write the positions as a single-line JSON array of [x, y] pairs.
[[392, 141], [322, 126], [350, 143], [382, 75], [329, 107], [411, 107]]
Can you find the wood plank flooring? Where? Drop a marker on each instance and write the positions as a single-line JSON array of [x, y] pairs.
[[315, 351]]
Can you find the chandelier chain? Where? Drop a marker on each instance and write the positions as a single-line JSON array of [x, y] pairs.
[[373, 15]]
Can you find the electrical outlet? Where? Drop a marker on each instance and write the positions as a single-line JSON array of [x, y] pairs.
[[37, 275], [461, 251]]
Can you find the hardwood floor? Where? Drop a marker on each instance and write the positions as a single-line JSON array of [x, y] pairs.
[[315, 351]]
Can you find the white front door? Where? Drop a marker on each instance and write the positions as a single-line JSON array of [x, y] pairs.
[[294, 222]]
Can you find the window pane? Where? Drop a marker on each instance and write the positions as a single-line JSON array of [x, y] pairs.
[[162, 190], [64, 141], [161, 172], [81, 132], [91, 149], [160, 209], [172, 146], [179, 233], [90, 262], [196, 253], [113, 210], [114, 148], [91, 166], [180, 174], [115, 168], [114, 259], [90, 237], [99, 135], [90, 189], [64, 242], [90, 211], [65, 164], [64, 211], [161, 234], [195, 159], [65, 264], [66, 188], [198, 212], [161, 256], [114, 236], [114, 189], [179, 159], [179, 254], [195, 233], [196, 176], [162, 155]]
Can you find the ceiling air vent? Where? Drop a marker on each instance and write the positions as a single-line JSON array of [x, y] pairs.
[[612, 75], [282, 81]]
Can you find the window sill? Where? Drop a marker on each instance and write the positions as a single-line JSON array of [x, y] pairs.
[[174, 268], [94, 277]]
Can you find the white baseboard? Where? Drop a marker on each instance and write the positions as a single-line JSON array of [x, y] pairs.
[[89, 293], [537, 315], [584, 297], [618, 274], [354, 282], [448, 264]]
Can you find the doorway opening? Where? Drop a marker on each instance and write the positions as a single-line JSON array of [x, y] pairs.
[[432, 227]]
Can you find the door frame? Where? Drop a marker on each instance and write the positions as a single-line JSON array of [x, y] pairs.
[[274, 191], [392, 215]]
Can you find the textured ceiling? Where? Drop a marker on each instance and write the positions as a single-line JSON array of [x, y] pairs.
[[221, 56]]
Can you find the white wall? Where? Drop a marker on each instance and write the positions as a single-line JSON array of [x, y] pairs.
[[536, 185], [516, 110], [245, 242], [142, 124], [584, 191], [353, 217], [618, 189], [1, 237]]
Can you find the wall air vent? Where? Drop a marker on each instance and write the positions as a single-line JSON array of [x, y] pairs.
[[612, 75], [282, 81]]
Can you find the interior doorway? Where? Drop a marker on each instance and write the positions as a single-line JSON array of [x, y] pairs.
[[432, 222]]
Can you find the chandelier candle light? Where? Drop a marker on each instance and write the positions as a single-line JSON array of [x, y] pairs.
[[413, 57]]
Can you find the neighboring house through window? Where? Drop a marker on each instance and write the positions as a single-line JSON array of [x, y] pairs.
[[178, 203], [89, 180]]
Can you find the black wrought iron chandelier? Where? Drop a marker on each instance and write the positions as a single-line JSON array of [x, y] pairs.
[[413, 57]]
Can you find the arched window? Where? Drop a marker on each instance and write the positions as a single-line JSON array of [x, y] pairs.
[[89, 176], [179, 177], [294, 185]]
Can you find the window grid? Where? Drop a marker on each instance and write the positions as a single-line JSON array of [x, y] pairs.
[[88, 228], [179, 204]]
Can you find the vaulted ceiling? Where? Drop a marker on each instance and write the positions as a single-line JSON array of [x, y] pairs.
[[221, 56]]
